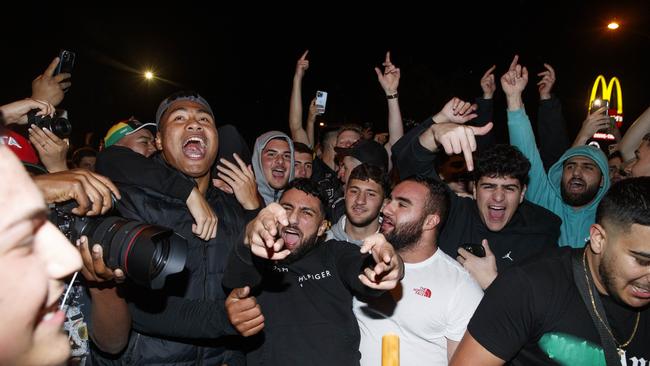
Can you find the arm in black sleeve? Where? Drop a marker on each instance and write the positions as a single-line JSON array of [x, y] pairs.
[[485, 113], [124, 166], [410, 157], [242, 269], [350, 263], [551, 131], [183, 318]]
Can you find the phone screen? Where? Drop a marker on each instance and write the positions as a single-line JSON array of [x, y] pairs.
[[66, 62]]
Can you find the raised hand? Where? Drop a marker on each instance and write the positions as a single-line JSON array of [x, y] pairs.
[[545, 85], [51, 149], [456, 139], [263, 233], [49, 87], [595, 121], [515, 79], [241, 179], [389, 267], [456, 111], [487, 83], [484, 270], [389, 79], [301, 66]]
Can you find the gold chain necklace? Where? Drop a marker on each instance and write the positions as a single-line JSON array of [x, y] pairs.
[[619, 346]]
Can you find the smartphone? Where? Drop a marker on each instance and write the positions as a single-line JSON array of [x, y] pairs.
[[321, 101], [66, 62], [475, 249], [599, 103]]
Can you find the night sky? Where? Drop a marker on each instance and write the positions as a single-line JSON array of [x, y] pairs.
[[243, 61]]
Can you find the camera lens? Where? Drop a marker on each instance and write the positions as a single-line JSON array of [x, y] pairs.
[[146, 253], [61, 127]]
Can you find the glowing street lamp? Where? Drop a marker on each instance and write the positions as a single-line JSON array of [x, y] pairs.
[[148, 75], [613, 25]]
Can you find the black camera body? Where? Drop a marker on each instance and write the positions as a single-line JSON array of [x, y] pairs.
[[58, 124], [146, 253]]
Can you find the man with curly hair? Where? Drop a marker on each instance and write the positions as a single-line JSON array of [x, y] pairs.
[[498, 218]]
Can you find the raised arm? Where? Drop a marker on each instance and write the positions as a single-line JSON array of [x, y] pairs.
[[634, 135], [485, 108], [298, 133], [389, 81], [551, 126]]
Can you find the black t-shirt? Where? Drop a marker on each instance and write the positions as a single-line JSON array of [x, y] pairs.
[[534, 315]]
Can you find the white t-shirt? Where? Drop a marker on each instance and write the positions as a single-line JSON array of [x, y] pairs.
[[434, 302]]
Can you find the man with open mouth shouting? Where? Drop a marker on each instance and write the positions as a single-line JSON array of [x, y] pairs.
[[304, 285]]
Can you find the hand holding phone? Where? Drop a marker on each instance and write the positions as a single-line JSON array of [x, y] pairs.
[[66, 62], [321, 101], [476, 249]]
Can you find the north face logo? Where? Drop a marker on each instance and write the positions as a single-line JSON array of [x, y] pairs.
[[422, 291]]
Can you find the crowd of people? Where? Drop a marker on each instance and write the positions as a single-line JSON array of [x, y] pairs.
[[310, 247]]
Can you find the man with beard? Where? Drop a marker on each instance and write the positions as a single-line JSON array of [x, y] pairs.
[[364, 197], [586, 306], [184, 322], [509, 228], [273, 164], [574, 185], [305, 285], [433, 303]]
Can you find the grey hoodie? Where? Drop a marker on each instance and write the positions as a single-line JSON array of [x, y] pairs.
[[268, 193], [337, 232]]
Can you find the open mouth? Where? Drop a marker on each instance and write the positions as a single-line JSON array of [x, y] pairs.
[[576, 185], [195, 147], [278, 172], [291, 238], [641, 292], [387, 225], [51, 315], [496, 213]]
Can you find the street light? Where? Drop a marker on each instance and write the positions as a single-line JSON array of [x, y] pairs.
[[613, 25], [148, 75]]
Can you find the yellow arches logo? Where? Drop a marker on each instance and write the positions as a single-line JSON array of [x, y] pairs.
[[607, 89]]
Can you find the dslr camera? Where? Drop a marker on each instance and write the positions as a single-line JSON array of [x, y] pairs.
[[146, 253], [58, 124]]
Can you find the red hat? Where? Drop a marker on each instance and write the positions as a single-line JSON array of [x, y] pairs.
[[20, 146]]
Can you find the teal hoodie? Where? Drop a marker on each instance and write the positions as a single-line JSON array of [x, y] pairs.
[[544, 189]]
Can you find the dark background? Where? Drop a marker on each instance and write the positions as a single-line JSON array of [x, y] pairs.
[[242, 60]]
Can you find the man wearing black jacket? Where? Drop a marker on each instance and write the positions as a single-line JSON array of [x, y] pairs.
[[184, 323], [515, 229], [304, 285]]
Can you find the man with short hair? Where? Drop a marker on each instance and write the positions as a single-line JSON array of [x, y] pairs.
[[433, 303], [185, 322], [305, 285], [364, 198], [584, 306], [509, 228], [304, 158], [273, 164]]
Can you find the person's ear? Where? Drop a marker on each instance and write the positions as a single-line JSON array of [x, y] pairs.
[[597, 238], [523, 193], [431, 222], [158, 142], [322, 228]]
